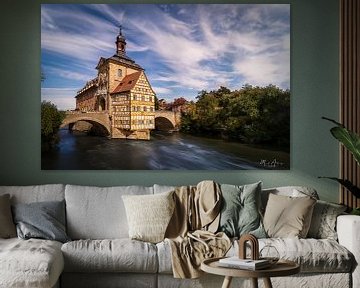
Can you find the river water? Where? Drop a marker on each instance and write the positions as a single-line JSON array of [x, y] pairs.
[[175, 151]]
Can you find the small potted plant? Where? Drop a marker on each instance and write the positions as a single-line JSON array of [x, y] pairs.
[[351, 141]]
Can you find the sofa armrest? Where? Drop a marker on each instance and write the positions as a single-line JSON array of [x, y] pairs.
[[348, 230]]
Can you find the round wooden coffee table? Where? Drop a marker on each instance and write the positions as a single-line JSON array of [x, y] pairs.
[[281, 268]]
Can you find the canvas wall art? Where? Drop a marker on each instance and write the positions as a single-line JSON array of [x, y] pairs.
[[165, 87]]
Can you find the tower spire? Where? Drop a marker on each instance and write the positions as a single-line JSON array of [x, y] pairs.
[[120, 43]]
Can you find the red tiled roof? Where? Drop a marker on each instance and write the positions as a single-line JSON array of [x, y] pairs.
[[127, 83]]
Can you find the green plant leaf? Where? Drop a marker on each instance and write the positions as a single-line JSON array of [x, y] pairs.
[[347, 184], [355, 211], [348, 138]]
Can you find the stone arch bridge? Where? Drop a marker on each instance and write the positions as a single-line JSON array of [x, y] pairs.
[[164, 120]]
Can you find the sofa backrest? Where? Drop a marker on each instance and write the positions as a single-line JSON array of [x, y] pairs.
[[163, 188], [35, 193], [98, 212]]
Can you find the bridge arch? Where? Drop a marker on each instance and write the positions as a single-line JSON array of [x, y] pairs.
[[167, 120], [92, 119], [163, 123]]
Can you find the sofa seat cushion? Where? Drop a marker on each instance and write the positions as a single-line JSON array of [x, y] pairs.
[[30, 263], [313, 255], [115, 255]]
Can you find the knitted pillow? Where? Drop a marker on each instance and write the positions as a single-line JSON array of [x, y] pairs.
[[149, 215], [323, 222]]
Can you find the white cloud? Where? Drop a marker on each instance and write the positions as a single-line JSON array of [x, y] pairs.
[[69, 74], [63, 98], [271, 66], [81, 36], [194, 53], [161, 90], [47, 21], [183, 55], [198, 47], [76, 46], [116, 16]]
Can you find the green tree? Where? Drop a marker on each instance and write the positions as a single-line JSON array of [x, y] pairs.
[[268, 115], [258, 115], [156, 103], [51, 119]]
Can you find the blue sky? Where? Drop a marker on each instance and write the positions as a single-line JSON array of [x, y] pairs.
[[183, 48]]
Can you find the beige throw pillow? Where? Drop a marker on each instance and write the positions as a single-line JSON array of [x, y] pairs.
[[7, 226], [148, 215], [288, 217]]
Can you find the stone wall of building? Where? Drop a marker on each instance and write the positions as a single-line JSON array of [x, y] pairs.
[[86, 100]]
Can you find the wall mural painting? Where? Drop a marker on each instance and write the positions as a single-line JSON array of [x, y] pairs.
[[165, 87]]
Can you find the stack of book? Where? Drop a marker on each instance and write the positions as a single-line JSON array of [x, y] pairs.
[[248, 264]]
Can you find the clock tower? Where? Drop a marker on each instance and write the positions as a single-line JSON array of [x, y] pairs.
[[120, 43]]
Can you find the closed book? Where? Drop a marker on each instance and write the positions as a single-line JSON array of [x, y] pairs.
[[236, 262]]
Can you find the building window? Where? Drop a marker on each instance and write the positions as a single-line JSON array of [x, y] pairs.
[[119, 74]]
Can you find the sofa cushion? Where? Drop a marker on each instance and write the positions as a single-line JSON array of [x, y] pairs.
[[43, 220], [164, 257], [313, 255], [117, 255], [163, 188], [30, 263], [35, 193], [291, 191], [7, 226], [98, 213], [323, 222], [240, 210], [287, 216], [149, 215]]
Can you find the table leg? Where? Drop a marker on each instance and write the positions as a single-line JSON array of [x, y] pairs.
[[267, 283], [227, 282], [254, 282]]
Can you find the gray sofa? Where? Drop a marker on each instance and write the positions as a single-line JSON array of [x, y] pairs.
[[101, 254]]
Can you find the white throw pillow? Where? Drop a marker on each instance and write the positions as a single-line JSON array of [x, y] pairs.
[[149, 215]]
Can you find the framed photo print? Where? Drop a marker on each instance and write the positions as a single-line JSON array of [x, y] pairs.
[[165, 87]]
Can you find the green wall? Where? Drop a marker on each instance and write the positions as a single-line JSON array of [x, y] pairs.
[[314, 87]]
